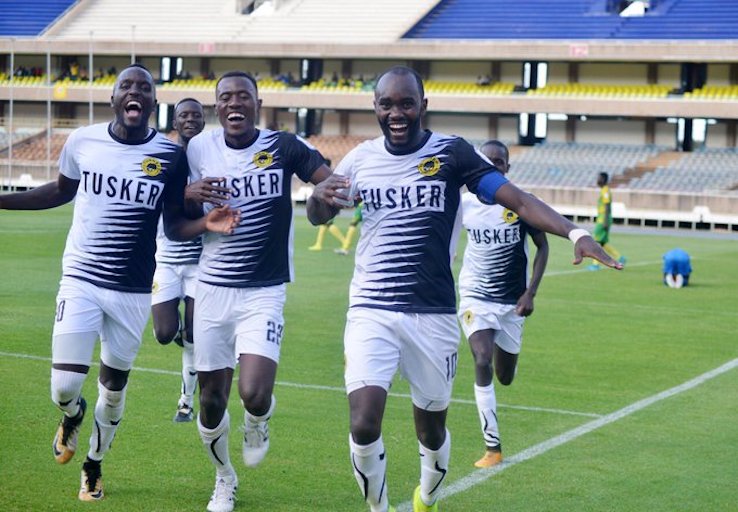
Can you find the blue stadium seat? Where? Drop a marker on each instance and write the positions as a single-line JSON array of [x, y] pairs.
[[576, 19], [24, 18]]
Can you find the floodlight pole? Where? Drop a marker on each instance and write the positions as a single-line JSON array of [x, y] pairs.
[[10, 114], [48, 112], [89, 83], [133, 44]]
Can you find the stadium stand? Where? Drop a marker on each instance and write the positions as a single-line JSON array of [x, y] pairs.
[[684, 19], [525, 19], [30, 18], [702, 171], [576, 19], [576, 165], [291, 21], [603, 90], [610, 105]]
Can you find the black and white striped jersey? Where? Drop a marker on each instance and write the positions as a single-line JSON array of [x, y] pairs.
[[495, 264], [410, 202], [259, 252], [122, 188]]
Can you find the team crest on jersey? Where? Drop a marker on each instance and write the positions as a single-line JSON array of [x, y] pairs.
[[429, 166], [509, 216], [151, 166], [468, 316], [263, 159]]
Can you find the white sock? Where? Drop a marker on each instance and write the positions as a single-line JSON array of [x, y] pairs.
[[65, 390], [252, 418], [216, 445], [487, 409], [370, 469], [433, 469], [108, 413], [189, 375]]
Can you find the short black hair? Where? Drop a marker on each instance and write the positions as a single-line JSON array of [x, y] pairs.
[[402, 71], [242, 74], [499, 144], [138, 66], [184, 100], [605, 176]]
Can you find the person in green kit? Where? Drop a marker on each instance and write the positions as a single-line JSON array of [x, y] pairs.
[[604, 221]]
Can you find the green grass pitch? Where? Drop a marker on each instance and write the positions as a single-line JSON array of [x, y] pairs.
[[595, 420]]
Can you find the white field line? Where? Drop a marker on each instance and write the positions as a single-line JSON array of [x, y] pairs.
[[331, 388], [582, 267], [481, 475]]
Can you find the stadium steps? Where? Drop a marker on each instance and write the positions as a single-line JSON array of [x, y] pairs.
[[663, 159], [294, 21]]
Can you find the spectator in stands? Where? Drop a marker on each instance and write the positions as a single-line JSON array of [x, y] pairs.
[[242, 279], [22, 71], [175, 277], [120, 190], [74, 71], [677, 268], [604, 221], [483, 80], [402, 312], [496, 296]]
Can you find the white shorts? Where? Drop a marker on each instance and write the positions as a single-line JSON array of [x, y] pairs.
[[118, 317], [233, 321], [478, 315], [173, 282], [424, 347]]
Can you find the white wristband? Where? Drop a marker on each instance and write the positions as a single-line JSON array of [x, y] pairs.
[[576, 234]]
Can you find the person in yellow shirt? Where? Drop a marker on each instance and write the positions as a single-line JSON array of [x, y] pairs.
[[604, 221]]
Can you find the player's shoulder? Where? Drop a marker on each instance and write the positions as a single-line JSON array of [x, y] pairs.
[[285, 138], [450, 141], [205, 138]]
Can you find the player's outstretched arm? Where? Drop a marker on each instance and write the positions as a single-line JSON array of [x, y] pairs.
[[328, 197], [538, 214], [50, 195]]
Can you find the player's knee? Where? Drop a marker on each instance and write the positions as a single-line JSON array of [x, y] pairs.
[[505, 372], [365, 428], [482, 356], [164, 334], [432, 436], [213, 403], [505, 377], [256, 402], [66, 386]]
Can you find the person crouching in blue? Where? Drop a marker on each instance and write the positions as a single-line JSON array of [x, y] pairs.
[[677, 268]]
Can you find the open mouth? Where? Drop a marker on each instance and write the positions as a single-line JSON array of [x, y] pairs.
[[236, 117], [133, 107], [398, 129]]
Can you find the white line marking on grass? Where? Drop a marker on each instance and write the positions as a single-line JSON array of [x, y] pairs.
[[519, 407], [333, 388], [482, 475], [580, 269]]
